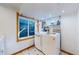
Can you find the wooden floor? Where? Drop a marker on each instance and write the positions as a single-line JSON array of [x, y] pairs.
[[31, 51], [34, 51]]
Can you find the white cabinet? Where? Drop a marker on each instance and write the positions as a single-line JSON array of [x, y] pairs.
[[2, 45], [48, 43], [38, 43]]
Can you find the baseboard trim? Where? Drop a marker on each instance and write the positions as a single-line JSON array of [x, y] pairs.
[[22, 50], [66, 52]]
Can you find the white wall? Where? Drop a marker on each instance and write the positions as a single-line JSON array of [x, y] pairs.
[[69, 33], [78, 34], [8, 30]]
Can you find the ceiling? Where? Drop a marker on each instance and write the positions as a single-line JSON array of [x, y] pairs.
[[11, 5], [43, 10]]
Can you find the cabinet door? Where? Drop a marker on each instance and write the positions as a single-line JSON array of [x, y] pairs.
[[48, 44], [38, 42]]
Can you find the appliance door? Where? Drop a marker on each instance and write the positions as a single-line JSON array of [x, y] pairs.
[[49, 45]]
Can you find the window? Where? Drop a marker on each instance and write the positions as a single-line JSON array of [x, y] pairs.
[[25, 28]]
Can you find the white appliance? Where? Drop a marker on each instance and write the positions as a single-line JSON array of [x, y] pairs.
[[48, 43]]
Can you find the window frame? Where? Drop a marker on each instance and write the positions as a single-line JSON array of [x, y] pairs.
[[17, 29]]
